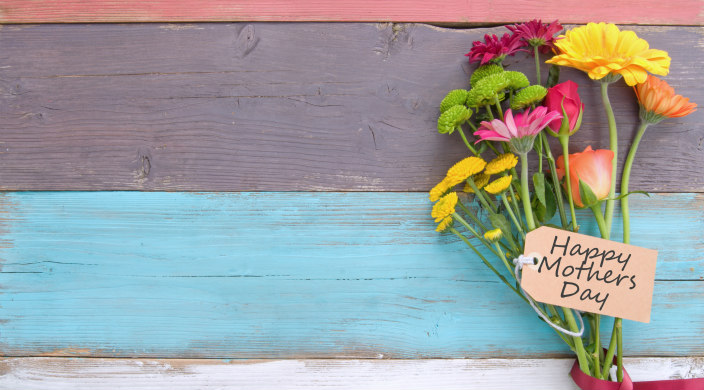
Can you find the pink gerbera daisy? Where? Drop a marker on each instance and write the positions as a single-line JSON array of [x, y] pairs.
[[494, 49], [537, 34], [518, 131]]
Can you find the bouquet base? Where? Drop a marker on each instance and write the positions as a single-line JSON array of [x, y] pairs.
[[587, 382]]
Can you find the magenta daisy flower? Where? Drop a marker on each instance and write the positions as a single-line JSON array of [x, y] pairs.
[[537, 34], [518, 131], [495, 49]]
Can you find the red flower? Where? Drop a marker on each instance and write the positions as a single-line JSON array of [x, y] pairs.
[[591, 167], [564, 95], [535, 33], [494, 49]]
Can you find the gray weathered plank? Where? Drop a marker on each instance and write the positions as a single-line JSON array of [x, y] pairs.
[[257, 107]]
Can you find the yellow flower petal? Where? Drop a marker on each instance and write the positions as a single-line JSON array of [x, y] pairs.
[[439, 190], [499, 185], [493, 235], [444, 224], [502, 162], [464, 169], [480, 180], [600, 49], [444, 207]]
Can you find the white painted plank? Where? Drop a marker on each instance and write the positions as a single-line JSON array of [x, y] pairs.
[[446, 374]]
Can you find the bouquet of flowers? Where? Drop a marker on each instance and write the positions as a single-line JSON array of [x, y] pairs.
[[510, 120]]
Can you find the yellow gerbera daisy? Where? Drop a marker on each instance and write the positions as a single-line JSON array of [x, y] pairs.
[[444, 224], [600, 49], [499, 185], [480, 180], [502, 162], [444, 207], [493, 235], [464, 169], [439, 190]]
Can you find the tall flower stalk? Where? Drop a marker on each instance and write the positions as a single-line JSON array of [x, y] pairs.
[[606, 54]]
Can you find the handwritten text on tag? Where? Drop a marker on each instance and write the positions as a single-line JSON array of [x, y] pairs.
[[589, 274]]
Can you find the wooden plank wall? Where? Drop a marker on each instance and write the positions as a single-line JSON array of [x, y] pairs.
[[242, 205]]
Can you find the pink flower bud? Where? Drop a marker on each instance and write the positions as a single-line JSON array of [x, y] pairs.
[[564, 99]]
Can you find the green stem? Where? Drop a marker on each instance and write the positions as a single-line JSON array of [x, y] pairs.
[[474, 232], [516, 209], [525, 195], [489, 206], [555, 180], [503, 259], [498, 107], [597, 349], [474, 128], [624, 182], [612, 348], [469, 146], [564, 142], [488, 110], [537, 64], [539, 149], [486, 262], [613, 141], [578, 344], [619, 354], [512, 215], [471, 215], [491, 146], [599, 217]]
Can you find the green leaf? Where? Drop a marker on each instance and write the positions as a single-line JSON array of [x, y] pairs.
[[499, 221], [539, 186], [589, 199], [553, 76], [630, 193], [547, 211]]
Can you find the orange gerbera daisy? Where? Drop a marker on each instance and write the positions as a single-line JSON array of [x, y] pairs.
[[601, 49], [659, 101]]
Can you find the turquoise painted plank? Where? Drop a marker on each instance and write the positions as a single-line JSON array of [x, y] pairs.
[[282, 275]]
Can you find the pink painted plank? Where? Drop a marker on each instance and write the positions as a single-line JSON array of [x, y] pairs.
[[674, 12]]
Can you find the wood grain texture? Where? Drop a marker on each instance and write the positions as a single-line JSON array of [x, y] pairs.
[[338, 374], [279, 107], [684, 12], [295, 275]]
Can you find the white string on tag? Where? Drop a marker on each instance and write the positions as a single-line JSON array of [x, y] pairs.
[[519, 263]]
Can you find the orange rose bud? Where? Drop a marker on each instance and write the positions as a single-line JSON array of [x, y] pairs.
[[659, 101], [593, 169]]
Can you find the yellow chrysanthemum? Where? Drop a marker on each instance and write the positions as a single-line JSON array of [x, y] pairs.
[[493, 235], [600, 49], [502, 162], [480, 180], [464, 169], [499, 185], [444, 224], [444, 207], [439, 190]]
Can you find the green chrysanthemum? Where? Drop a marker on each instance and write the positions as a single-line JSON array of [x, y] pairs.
[[484, 71], [527, 96], [454, 117], [517, 80], [496, 82], [453, 98], [486, 89]]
